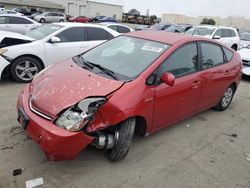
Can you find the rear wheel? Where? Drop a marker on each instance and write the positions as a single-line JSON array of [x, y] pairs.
[[125, 132], [24, 69], [61, 20], [226, 98], [42, 20]]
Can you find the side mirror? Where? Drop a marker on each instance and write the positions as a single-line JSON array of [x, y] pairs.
[[216, 37], [55, 40], [168, 78]]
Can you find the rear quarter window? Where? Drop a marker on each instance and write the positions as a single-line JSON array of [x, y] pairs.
[[228, 53]]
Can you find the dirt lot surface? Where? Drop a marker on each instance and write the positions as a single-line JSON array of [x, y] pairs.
[[198, 152]]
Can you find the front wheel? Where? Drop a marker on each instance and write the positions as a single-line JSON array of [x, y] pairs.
[[125, 132], [24, 69], [226, 98]]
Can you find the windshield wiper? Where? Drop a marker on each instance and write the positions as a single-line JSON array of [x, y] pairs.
[[84, 62], [105, 70]]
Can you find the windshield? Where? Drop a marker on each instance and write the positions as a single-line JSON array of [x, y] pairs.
[[43, 31], [201, 31], [245, 36], [125, 56]]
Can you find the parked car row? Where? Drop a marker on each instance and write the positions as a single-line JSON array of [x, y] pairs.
[[80, 72], [23, 56]]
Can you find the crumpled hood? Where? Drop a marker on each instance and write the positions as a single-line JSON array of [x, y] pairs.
[[14, 35], [11, 39], [64, 84]]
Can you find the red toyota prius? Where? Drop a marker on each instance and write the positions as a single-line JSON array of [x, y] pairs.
[[140, 80]]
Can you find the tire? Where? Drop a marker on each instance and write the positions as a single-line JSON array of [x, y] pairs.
[[61, 20], [24, 69], [126, 131], [42, 20], [226, 99]]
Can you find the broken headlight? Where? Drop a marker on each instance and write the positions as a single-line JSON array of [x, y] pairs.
[[3, 50], [77, 117]]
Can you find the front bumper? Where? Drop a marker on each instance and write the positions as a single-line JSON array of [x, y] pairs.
[[3, 64], [57, 144]]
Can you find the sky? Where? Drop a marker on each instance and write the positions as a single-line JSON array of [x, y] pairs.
[[222, 8]]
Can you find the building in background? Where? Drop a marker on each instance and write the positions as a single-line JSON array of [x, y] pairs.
[[90, 8], [232, 21], [69, 7], [32, 4]]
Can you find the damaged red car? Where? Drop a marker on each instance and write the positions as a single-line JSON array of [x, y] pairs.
[[141, 81]]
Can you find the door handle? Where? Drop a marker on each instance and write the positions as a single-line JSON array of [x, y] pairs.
[[196, 84], [226, 72]]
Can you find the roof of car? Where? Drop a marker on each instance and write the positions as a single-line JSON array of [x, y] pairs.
[[67, 24], [112, 23], [214, 27], [164, 37], [15, 15]]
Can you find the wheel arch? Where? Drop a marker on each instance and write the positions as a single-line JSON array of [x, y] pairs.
[[234, 45]]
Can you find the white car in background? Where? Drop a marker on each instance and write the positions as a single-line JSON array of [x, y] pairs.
[[226, 35], [11, 12], [244, 40], [117, 27], [18, 24], [245, 56], [23, 56], [49, 17]]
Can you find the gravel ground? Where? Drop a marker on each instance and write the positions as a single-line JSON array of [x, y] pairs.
[[198, 152]]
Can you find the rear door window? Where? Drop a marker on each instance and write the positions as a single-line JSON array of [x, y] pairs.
[[211, 55], [228, 54], [17, 20], [114, 27], [76, 34], [122, 29], [94, 33]]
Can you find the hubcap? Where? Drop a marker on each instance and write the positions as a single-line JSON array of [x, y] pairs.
[[227, 97], [26, 70]]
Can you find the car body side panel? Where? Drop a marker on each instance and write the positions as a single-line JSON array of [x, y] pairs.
[[216, 80]]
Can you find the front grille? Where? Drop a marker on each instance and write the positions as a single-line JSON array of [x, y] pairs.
[[39, 113]]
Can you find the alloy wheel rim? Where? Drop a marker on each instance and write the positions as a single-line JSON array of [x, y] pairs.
[[26, 70], [227, 97]]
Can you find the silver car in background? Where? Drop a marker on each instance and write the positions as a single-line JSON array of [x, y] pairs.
[[18, 24], [49, 17]]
